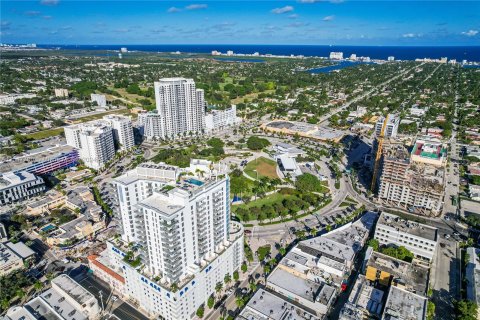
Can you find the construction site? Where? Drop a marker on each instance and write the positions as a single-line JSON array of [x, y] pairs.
[[402, 179]]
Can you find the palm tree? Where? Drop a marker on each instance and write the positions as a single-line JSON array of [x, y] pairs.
[[218, 287]]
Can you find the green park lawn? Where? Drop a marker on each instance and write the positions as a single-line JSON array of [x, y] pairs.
[[265, 168], [268, 200]]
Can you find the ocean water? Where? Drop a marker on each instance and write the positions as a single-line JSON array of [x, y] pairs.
[[470, 53]]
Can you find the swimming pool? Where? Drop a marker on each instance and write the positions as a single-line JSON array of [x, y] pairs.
[[48, 228], [194, 181]]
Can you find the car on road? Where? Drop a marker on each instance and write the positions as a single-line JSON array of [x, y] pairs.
[[248, 232], [447, 236], [114, 298]]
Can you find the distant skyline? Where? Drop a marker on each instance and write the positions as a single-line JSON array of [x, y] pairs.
[[314, 22]]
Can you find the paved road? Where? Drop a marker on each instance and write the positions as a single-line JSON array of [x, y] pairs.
[[119, 308]]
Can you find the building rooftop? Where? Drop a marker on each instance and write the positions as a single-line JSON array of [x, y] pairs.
[[429, 148], [407, 226], [21, 249], [354, 234], [265, 305], [9, 179], [33, 156], [405, 305], [306, 289], [159, 203], [472, 273], [7, 256], [74, 290], [363, 298], [412, 276], [150, 171], [52, 305]]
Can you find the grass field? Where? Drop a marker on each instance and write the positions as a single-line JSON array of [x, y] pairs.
[[250, 96], [270, 199], [265, 168], [44, 134]]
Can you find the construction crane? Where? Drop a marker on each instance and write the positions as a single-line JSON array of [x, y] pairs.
[[379, 154]]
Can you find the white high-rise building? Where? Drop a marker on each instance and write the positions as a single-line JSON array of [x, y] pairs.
[[391, 127], [72, 135], [181, 107], [97, 146], [219, 119], [182, 242], [151, 124], [94, 140], [137, 185], [122, 130], [336, 55]]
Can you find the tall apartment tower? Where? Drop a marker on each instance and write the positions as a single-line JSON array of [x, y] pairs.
[[152, 125], [391, 127], [97, 147], [136, 185], [178, 233], [122, 130], [181, 107]]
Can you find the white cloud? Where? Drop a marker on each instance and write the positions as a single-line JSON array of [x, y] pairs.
[[411, 35], [49, 2], [293, 16], [328, 18], [196, 6], [47, 17], [173, 10], [470, 33], [282, 10]]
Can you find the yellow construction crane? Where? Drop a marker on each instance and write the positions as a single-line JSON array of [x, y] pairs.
[[379, 154]]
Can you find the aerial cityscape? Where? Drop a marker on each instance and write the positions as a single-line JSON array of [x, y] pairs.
[[251, 160]]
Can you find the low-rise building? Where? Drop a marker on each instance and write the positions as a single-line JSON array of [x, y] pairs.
[[314, 271], [65, 300], [61, 93], [45, 204], [11, 98], [418, 112], [100, 99], [429, 151], [19, 186], [418, 238], [102, 268], [267, 305], [403, 304], [472, 273], [43, 160], [365, 301], [13, 256]]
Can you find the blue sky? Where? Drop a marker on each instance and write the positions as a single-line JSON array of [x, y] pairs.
[[324, 22]]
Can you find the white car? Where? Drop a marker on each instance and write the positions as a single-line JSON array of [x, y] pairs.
[[114, 298]]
